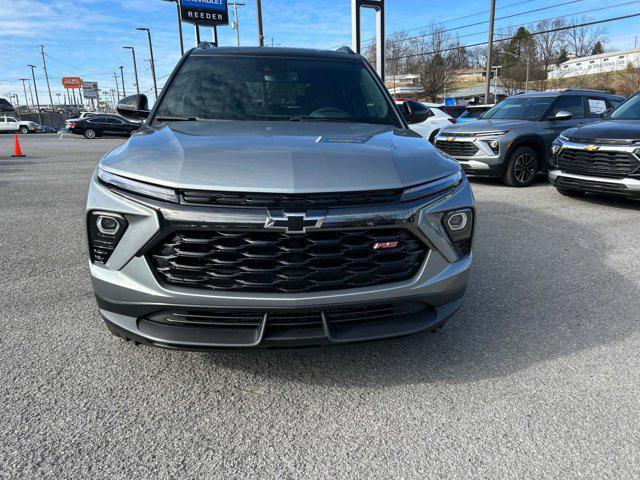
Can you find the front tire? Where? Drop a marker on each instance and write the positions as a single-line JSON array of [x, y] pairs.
[[522, 167], [90, 134], [23, 130]]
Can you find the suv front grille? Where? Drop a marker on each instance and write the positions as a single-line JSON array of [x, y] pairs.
[[457, 149], [599, 162], [261, 261], [291, 201]]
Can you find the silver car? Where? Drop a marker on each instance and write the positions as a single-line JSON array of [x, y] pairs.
[[276, 198]]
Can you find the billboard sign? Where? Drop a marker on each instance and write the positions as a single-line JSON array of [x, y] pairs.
[[71, 82], [205, 12], [90, 89]]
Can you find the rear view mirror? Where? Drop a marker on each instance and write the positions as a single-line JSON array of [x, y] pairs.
[[135, 107], [414, 112], [561, 115]]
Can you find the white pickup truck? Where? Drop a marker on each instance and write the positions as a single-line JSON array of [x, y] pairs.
[[12, 124]]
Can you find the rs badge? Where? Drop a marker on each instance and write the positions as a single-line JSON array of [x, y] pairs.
[[385, 245]]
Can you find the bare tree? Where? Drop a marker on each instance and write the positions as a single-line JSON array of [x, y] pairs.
[[433, 62], [629, 80], [582, 40], [549, 44], [396, 49]]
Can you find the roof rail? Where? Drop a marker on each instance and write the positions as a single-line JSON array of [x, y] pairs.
[[346, 49]]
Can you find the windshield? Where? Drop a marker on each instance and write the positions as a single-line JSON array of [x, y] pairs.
[[272, 88], [629, 110], [519, 108], [473, 113]]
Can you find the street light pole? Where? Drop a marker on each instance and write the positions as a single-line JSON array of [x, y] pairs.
[[260, 33], [179, 24], [135, 67], [490, 51], [35, 87], [153, 63], [124, 90]]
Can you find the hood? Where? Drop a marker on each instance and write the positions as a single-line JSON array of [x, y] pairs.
[[280, 157], [606, 130], [479, 125]]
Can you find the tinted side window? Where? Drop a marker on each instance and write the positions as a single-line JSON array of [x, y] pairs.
[[569, 103], [596, 106]]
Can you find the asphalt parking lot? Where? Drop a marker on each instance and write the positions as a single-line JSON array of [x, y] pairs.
[[538, 376]]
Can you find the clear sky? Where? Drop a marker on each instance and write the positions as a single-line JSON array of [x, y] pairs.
[[84, 37]]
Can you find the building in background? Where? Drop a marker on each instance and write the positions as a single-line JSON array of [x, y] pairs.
[[603, 63]]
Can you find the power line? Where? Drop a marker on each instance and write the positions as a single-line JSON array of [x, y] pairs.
[[487, 21], [533, 22], [529, 34], [470, 15]]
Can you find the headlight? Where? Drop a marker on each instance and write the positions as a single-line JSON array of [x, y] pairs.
[[430, 188], [495, 133], [139, 188], [564, 138], [555, 148]]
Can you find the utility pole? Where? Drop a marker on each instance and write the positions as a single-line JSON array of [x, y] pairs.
[[115, 77], [490, 51], [24, 87], [153, 63], [124, 90], [46, 75], [260, 33], [135, 67], [35, 87], [236, 23]]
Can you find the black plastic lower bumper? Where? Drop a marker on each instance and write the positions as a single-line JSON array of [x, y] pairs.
[[204, 329], [592, 186]]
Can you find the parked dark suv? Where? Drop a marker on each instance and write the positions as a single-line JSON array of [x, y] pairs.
[[99, 125], [276, 197], [513, 139], [602, 157]]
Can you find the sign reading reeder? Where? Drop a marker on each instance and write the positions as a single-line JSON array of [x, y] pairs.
[[205, 12]]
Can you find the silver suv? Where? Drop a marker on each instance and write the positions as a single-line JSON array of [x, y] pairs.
[[276, 198], [513, 139]]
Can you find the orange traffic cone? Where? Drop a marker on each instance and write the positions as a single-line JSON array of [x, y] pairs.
[[17, 151]]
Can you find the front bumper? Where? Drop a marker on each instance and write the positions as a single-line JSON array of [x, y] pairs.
[[624, 187], [484, 162], [129, 293]]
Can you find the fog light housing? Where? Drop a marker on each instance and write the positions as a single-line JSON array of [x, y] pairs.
[[494, 145], [459, 227], [105, 231]]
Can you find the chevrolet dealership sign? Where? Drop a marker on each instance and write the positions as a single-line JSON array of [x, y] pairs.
[[204, 12]]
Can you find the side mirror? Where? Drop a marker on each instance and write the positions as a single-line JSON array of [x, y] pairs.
[[135, 107], [414, 112], [561, 115]]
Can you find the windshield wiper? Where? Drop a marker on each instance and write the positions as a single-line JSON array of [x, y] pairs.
[[177, 119]]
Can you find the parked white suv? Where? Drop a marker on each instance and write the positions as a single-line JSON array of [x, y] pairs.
[[12, 124], [436, 121]]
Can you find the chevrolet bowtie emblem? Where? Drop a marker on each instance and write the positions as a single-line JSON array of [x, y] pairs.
[[450, 139], [591, 148], [292, 222]]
